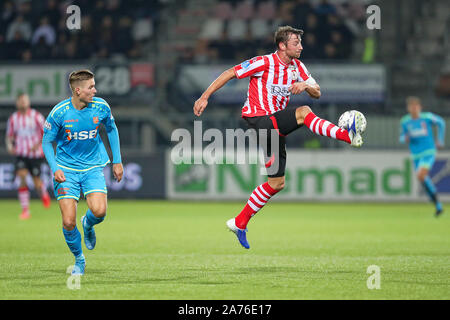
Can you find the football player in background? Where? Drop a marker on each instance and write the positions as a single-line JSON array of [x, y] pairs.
[[24, 132], [416, 130]]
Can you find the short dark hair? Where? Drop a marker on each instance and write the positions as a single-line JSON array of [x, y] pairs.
[[80, 75], [20, 94], [283, 33]]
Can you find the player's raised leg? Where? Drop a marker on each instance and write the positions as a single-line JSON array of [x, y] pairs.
[[97, 204], [68, 208], [325, 128]]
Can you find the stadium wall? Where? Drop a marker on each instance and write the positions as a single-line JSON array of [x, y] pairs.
[[46, 84], [143, 178], [383, 175], [325, 176], [344, 83]]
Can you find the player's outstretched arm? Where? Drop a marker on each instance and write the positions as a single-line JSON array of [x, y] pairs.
[[202, 102]]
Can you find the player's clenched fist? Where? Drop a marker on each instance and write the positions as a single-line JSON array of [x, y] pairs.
[[200, 105], [298, 87], [59, 176], [118, 171]]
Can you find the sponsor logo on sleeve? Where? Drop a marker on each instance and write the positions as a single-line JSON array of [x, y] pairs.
[[47, 125], [245, 64]]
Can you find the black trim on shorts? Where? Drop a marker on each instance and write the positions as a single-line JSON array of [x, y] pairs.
[[284, 122]]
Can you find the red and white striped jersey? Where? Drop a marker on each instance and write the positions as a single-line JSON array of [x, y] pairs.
[[270, 79], [26, 130]]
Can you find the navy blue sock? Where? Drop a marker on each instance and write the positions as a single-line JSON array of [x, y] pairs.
[[92, 220], [73, 240]]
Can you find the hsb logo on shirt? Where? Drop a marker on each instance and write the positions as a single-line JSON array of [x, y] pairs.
[[81, 135]]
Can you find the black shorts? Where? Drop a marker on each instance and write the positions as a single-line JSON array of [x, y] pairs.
[[32, 164], [283, 122]]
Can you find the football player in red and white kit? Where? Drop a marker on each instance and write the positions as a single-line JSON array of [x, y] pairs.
[[273, 78], [24, 140]]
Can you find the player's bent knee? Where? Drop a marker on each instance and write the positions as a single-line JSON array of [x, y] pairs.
[[422, 174], [301, 113], [69, 225], [98, 204], [99, 210], [421, 177], [22, 174]]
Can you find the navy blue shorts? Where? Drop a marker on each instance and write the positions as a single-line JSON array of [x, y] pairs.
[[284, 122]]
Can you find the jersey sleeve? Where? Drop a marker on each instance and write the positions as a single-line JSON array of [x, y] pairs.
[[305, 75], [113, 134], [10, 128], [403, 132], [250, 67], [51, 128], [40, 120], [440, 123], [108, 120]]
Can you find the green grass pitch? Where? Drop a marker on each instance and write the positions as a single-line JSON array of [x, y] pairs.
[[182, 250]]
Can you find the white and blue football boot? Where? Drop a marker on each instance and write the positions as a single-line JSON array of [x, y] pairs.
[[356, 126], [89, 234], [241, 234], [80, 265]]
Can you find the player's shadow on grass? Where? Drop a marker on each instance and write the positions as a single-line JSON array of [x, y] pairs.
[[154, 280], [93, 271]]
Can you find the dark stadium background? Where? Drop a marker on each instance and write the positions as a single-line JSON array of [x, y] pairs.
[[343, 214], [150, 58]]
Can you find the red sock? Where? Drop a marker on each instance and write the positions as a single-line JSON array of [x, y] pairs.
[[325, 128], [24, 197], [257, 200]]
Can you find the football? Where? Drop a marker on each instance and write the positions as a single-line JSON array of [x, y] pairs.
[[353, 120]]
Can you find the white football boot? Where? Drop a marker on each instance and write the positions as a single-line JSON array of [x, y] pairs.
[[357, 127]]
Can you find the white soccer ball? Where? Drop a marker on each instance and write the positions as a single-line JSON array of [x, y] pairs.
[[353, 120]]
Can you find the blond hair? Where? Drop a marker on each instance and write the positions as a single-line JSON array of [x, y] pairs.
[[81, 75]]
